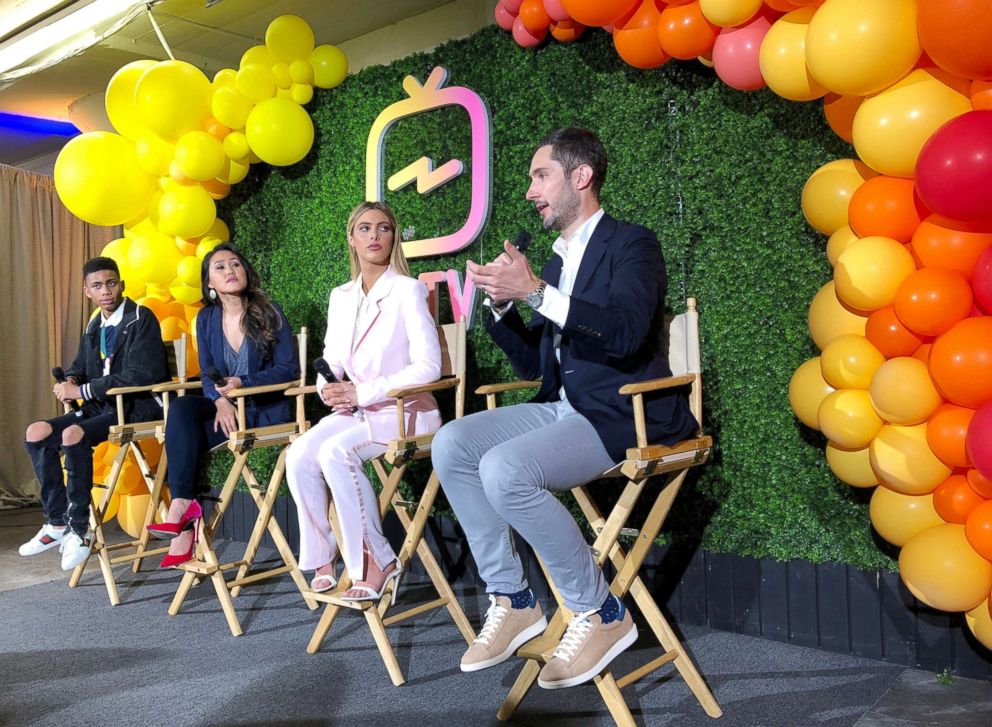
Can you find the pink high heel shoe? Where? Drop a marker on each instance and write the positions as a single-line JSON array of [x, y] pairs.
[[167, 531]]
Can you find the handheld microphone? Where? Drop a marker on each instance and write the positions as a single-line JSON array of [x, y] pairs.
[[522, 241], [323, 368], [59, 375], [214, 375]]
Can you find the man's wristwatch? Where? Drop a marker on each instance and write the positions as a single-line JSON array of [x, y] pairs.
[[536, 296]]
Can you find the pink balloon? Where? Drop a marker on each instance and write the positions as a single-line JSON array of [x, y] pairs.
[[735, 54], [504, 18], [524, 38], [555, 10], [954, 170], [512, 6], [978, 442]]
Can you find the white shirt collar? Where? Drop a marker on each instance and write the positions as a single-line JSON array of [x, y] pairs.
[[580, 238], [115, 318]]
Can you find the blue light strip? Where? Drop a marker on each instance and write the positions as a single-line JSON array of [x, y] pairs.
[[34, 125]]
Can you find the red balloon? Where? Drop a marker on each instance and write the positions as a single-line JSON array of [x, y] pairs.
[[979, 441], [954, 169], [637, 41], [943, 243], [981, 279], [524, 37], [955, 34], [598, 12], [887, 333], [931, 300], [504, 18], [885, 206], [533, 16], [961, 362]]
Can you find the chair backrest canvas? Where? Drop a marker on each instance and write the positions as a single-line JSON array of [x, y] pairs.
[[683, 351], [452, 337]]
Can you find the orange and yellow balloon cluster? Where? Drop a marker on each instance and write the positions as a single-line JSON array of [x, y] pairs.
[[130, 499]]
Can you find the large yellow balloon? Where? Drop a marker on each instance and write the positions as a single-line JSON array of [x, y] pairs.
[[230, 107], [851, 466], [839, 241], [979, 622], [119, 99], [256, 83], [173, 97], [859, 47], [807, 390], [899, 518], [903, 461], [131, 516], [850, 361], [902, 391], [828, 318], [257, 54], [330, 66], [782, 58], [188, 271], [185, 211], [728, 13], [289, 37], [848, 420], [279, 131], [890, 129], [200, 156], [154, 257], [154, 155], [828, 192], [869, 272], [98, 179], [941, 569]]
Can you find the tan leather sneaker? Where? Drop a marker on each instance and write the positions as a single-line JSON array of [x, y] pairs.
[[587, 647], [506, 630]]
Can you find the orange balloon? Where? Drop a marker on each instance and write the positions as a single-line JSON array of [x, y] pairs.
[[923, 353], [684, 31], [598, 12], [888, 334], [978, 529], [981, 484], [637, 41], [981, 95], [955, 34], [961, 362], [941, 243], [931, 300], [566, 31], [533, 15], [215, 128], [783, 6], [946, 432], [840, 111], [886, 206], [954, 499]]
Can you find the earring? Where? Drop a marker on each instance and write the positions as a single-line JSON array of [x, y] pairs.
[[212, 294]]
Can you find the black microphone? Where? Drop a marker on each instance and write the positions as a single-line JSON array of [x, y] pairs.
[[522, 241], [214, 375], [323, 368], [59, 375]]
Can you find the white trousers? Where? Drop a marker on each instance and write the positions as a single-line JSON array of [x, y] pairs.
[[330, 455]]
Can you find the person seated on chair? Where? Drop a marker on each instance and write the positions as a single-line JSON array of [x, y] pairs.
[[243, 340], [381, 334], [120, 347], [596, 324]]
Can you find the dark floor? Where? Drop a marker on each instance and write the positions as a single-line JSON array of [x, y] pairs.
[[68, 657]]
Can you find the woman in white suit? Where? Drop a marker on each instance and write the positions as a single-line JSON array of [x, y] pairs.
[[380, 334]]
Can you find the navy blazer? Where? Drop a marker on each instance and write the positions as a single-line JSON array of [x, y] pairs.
[[614, 335], [281, 366]]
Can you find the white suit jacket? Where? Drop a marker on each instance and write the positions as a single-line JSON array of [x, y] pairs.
[[397, 348]]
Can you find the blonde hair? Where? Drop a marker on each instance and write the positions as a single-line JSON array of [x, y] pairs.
[[396, 257]]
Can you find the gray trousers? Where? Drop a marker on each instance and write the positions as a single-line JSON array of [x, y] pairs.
[[499, 469]]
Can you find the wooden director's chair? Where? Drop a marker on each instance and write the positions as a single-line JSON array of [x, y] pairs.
[[205, 563], [642, 462], [398, 455], [129, 436]]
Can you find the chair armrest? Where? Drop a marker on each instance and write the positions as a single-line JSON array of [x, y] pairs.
[[301, 390], [178, 386], [669, 382], [510, 386], [449, 383], [252, 390], [121, 390]]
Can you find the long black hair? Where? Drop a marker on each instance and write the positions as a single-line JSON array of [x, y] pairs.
[[260, 319]]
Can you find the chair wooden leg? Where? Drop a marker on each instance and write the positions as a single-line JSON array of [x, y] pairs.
[[385, 648], [155, 506], [519, 690], [614, 700], [224, 596], [323, 626], [264, 505], [96, 522], [184, 585]]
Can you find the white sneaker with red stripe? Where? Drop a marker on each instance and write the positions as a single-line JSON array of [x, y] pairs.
[[48, 537]]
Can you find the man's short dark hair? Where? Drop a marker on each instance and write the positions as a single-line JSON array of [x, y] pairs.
[[100, 263], [573, 147]]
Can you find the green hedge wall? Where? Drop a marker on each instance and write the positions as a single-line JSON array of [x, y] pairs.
[[717, 173]]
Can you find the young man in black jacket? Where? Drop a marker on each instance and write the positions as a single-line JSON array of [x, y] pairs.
[[121, 347]]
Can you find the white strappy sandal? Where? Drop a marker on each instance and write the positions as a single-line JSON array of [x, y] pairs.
[[370, 594]]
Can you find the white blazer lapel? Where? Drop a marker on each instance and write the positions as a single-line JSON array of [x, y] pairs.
[[379, 291]]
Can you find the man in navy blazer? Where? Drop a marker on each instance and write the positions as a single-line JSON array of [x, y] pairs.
[[596, 323]]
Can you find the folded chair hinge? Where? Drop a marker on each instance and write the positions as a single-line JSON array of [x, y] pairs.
[[126, 436], [624, 532], [409, 506], [248, 443]]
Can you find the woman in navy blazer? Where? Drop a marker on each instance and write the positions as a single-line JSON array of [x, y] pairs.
[[246, 338]]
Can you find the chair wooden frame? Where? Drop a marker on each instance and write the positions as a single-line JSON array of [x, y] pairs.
[[642, 462], [128, 436], [205, 563], [398, 455]]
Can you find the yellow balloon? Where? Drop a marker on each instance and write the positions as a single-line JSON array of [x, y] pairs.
[[279, 131], [300, 71], [899, 518], [851, 466], [280, 72], [185, 246], [782, 58], [185, 211], [116, 250], [807, 390], [188, 271], [154, 155], [848, 420], [154, 257], [256, 83], [233, 171], [850, 361], [869, 272], [330, 66], [131, 515], [119, 99], [728, 13], [236, 145], [98, 179], [858, 47], [890, 128], [257, 54], [941, 569], [230, 107], [839, 242], [219, 230], [224, 77], [289, 37], [828, 192], [134, 286], [902, 459], [186, 294], [979, 622], [829, 318], [111, 509], [301, 93], [173, 97], [206, 244], [902, 391], [200, 156], [285, 94]]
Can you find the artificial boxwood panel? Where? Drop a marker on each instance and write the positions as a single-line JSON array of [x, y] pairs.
[[715, 172]]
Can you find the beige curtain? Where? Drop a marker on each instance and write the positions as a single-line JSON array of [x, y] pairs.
[[42, 311]]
